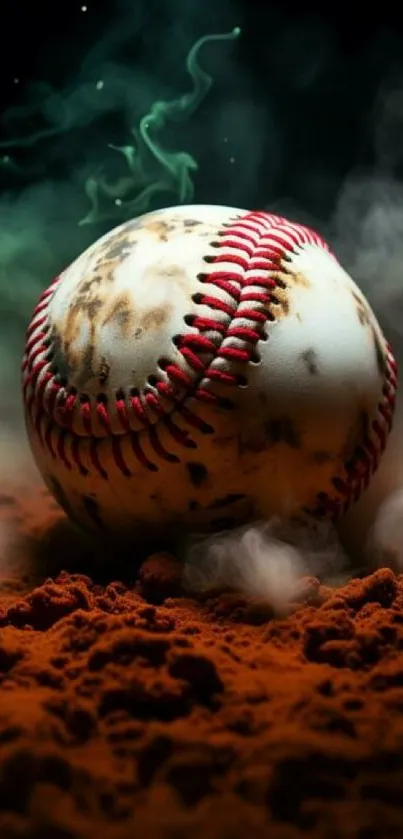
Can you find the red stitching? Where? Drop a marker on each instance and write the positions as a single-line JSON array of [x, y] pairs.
[[138, 451], [243, 332], [138, 410], [75, 453], [118, 457], [220, 376], [366, 458], [86, 417], [122, 413], [216, 303], [154, 403], [193, 420], [35, 324], [103, 417], [240, 246], [258, 242], [61, 448], [95, 461], [209, 324], [233, 259]]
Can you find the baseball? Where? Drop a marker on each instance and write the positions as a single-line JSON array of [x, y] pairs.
[[203, 366]]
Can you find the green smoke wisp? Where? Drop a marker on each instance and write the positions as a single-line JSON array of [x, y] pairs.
[[175, 167], [151, 170], [54, 141]]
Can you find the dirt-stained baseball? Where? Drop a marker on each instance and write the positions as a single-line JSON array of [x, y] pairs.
[[201, 366]]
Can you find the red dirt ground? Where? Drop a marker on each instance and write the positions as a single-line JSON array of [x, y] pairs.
[[130, 710]]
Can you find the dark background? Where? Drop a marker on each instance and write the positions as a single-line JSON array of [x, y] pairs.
[[298, 95], [304, 116]]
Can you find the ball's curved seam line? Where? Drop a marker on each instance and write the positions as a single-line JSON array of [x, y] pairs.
[[249, 243]]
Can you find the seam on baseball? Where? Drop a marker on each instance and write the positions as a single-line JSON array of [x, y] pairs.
[[256, 245]]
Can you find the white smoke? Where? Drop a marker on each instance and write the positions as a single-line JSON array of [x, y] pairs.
[[368, 238], [366, 233], [386, 534], [265, 560]]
